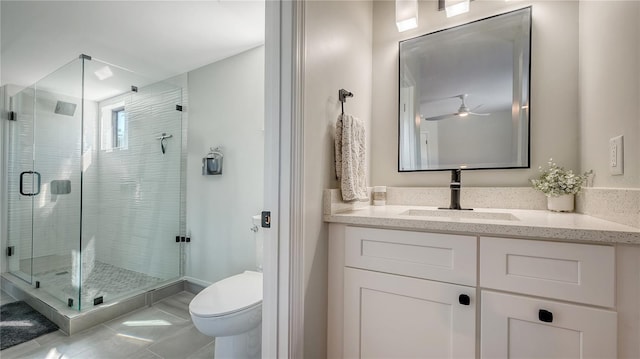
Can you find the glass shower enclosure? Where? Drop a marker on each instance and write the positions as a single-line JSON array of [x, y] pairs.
[[95, 191]]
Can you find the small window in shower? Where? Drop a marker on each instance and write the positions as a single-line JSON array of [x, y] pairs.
[[119, 125], [114, 129]]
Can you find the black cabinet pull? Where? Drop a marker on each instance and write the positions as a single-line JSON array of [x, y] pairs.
[[464, 299], [545, 316]]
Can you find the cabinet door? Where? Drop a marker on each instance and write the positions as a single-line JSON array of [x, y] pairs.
[[390, 316], [521, 327]]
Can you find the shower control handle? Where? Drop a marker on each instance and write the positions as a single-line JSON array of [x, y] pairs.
[[37, 192]]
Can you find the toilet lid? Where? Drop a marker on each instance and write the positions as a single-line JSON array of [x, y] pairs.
[[229, 295]]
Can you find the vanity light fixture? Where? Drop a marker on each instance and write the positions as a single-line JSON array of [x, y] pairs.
[[406, 14], [454, 7]]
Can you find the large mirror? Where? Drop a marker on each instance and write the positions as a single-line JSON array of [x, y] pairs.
[[464, 96]]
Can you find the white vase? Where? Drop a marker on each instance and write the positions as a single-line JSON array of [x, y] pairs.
[[563, 203]]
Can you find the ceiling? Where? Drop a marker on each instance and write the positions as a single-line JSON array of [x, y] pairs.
[[157, 39]]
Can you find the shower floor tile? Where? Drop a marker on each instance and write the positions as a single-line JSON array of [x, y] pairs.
[[102, 279]]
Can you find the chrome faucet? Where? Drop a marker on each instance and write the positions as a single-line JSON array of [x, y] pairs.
[[456, 187]]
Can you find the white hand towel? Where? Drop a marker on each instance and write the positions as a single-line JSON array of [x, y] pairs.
[[351, 158]]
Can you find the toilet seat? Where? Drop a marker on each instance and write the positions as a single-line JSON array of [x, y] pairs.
[[228, 296]]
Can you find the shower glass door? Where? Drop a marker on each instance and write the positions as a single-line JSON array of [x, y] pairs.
[[45, 185]]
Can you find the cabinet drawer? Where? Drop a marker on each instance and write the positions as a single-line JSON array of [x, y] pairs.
[[575, 272], [442, 257]]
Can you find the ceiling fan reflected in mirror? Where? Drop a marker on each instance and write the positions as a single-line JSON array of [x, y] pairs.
[[463, 111]]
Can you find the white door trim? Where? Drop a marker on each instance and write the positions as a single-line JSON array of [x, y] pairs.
[[282, 332], [296, 250], [271, 283]]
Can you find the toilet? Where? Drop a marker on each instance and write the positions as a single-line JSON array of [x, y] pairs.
[[231, 310]]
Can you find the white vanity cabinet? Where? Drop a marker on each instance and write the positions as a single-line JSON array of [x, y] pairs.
[[409, 294], [519, 325], [403, 294]]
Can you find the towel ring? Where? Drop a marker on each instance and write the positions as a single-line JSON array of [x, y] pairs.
[[342, 96]]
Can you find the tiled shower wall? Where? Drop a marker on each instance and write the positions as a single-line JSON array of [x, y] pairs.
[[139, 188]]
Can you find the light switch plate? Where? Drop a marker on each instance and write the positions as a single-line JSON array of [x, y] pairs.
[[616, 155]]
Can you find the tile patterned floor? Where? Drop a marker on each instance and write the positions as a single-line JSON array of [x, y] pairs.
[[101, 279], [163, 330]]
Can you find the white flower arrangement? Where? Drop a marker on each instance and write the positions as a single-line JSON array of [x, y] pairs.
[[557, 181]]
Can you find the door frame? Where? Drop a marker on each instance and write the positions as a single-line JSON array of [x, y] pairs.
[[283, 304]]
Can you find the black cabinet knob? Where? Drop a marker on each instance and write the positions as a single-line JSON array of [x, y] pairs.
[[464, 299], [545, 316]]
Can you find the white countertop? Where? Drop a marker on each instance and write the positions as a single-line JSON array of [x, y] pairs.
[[499, 222]]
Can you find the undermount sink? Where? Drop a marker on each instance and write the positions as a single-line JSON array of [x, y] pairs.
[[502, 216]]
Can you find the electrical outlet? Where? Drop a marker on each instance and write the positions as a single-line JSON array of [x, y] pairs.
[[616, 158]]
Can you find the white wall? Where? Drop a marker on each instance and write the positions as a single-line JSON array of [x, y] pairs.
[[554, 90], [338, 48], [226, 108], [610, 88]]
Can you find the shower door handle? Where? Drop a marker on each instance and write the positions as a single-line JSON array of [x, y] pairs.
[[37, 192]]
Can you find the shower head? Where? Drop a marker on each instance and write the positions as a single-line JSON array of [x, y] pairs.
[[65, 108]]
